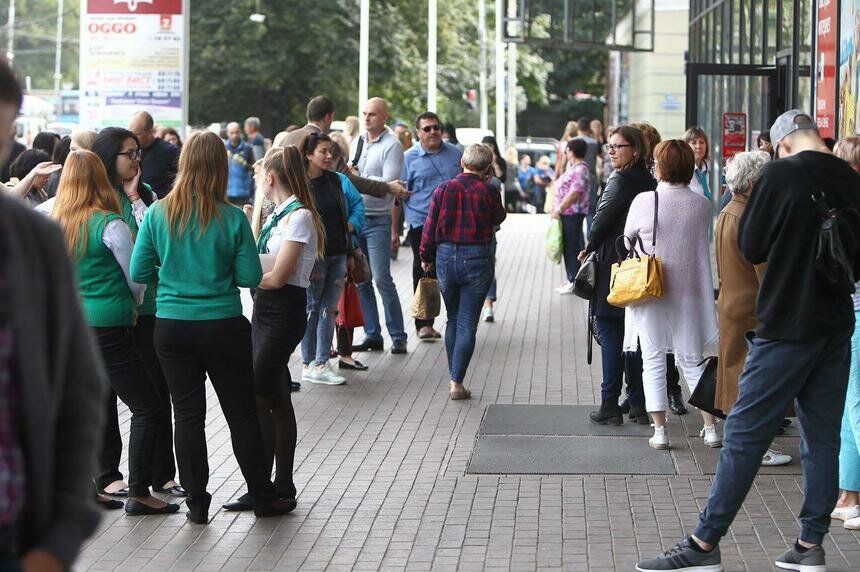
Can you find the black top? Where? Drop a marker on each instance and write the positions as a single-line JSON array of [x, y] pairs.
[[17, 149], [160, 163], [608, 224], [780, 226], [328, 196]]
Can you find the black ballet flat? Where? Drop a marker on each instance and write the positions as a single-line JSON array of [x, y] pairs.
[[137, 508], [174, 491], [357, 365], [108, 503]]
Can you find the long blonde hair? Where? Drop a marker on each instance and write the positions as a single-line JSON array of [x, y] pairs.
[[201, 183], [288, 167], [83, 189]]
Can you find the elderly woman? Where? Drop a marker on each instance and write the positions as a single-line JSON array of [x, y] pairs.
[[697, 139], [464, 213], [848, 506], [683, 321]]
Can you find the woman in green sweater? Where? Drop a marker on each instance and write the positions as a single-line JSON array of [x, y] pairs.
[[100, 243], [201, 250]]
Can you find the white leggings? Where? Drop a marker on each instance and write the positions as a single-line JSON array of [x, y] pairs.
[[654, 375]]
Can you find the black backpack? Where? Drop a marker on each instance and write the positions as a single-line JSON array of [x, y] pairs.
[[837, 245]]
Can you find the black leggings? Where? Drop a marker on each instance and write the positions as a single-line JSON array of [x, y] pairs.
[[278, 325]]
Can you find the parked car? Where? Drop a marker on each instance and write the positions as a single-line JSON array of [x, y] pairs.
[[536, 147], [27, 127]]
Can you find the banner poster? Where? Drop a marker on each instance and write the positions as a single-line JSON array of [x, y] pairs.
[[132, 59], [825, 72], [849, 45], [734, 134]]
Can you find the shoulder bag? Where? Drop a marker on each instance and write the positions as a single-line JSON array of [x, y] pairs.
[[360, 266]]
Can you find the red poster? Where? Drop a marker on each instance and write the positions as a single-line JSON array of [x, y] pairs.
[[825, 69], [734, 134], [134, 6]]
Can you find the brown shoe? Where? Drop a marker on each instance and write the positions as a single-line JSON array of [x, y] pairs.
[[426, 333], [436, 335], [458, 392]]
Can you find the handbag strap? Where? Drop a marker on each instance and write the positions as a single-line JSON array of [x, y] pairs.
[[631, 252], [654, 233]]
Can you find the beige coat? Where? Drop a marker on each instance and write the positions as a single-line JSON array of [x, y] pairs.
[[739, 284]]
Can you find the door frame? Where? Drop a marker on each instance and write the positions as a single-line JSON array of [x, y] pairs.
[[696, 70]]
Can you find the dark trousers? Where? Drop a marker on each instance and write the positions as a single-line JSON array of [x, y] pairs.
[[673, 378], [278, 325], [344, 340], [130, 381], [618, 364], [111, 451], [814, 375], [414, 236], [188, 350], [572, 237], [163, 462]]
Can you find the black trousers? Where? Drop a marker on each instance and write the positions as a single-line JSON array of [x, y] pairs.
[[571, 232], [673, 378], [130, 381], [188, 350], [278, 325], [163, 462], [414, 236], [111, 451]]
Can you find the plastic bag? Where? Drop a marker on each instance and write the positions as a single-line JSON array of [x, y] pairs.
[[554, 241]]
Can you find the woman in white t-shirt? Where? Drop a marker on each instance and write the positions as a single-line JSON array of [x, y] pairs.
[[289, 242]]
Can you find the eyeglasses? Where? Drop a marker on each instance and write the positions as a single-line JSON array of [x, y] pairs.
[[609, 147], [429, 128], [132, 154]]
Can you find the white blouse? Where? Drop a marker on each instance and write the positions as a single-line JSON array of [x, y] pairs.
[[298, 226]]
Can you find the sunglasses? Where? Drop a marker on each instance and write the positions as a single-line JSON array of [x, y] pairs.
[[132, 154], [429, 128]]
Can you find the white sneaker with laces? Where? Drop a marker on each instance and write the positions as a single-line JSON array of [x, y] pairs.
[[712, 438], [660, 440], [565, 289], [773, 458], [308, 373], [852, 523], [846, 513], [324, 375]]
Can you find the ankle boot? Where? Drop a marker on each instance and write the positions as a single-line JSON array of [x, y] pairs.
[[608, 414], [639, 415]]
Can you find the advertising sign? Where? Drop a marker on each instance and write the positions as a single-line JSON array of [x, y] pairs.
[[849, 51], [825, 69], [734, 134], [132, 59]]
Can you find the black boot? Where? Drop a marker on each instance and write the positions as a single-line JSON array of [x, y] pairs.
[[608, 414], [639, 415], [676, 404], [624, 404]]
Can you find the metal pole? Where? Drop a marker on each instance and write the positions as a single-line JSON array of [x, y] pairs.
[[512, 78], [363, 55], [482, 63], [59, 51], [431, 55], [10, 24], [500, 74]]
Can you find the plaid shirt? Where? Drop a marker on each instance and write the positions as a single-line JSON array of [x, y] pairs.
[[464, 210]]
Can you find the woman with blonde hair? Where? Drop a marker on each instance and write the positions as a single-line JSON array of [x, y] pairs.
[[100, 243], [292, 239], [570, 131], [201, 249]]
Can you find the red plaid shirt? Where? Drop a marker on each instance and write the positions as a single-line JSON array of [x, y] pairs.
[[464, 210]]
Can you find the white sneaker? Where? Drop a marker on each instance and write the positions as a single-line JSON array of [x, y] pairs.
[[565, 289], [324, 375], [852, 524], [773, 458], [487, 314], [847, 513], [712, 438], [660, 440], [308, 372]]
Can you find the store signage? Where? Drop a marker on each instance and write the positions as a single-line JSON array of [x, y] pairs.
[[825, 69], [849, 55], [734, 134], [132, 59]]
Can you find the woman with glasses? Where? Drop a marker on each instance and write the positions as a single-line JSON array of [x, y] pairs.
[[100, 242], [342, 211], [629, 153], [202, 250]]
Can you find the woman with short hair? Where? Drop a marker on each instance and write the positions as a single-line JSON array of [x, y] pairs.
[[697, 139], [683, 321], [572, 201]]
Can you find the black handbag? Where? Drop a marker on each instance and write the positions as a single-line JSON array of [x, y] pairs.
[[704, 395], [586, 277]]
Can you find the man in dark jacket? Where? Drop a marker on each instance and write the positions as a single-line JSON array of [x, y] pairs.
[[51, 385], [160, 160], [799, 352]]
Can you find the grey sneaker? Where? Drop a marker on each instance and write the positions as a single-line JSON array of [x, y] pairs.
[[810, 561], [683, 557]]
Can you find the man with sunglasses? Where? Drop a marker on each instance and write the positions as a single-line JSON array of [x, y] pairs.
[[425, 167], [159, 160]]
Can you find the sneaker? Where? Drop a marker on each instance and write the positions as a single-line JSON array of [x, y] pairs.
[[487, 314], [810, 561], [684, 557], [852, 524], [324, 375], [846, 513], [308, 373], [660, 440], [712, 438], [775, 458], [565, 289]]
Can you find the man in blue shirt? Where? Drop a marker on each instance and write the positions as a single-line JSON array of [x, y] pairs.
[[240, 159], [425, 167]]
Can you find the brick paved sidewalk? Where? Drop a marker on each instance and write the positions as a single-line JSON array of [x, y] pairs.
[[381, 466]]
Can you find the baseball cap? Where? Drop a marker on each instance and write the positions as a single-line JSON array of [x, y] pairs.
[[789, 122]]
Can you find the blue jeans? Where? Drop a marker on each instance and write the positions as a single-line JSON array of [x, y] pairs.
[[327, 279], [815, 374], [849, 454], [465, 272], [375, 241], [618, 364], [492, 292]]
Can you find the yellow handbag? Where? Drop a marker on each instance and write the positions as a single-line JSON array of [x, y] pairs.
[[637, 278]]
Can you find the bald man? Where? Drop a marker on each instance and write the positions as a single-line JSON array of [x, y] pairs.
[[160, 159], [378, 155], [240, 155]]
